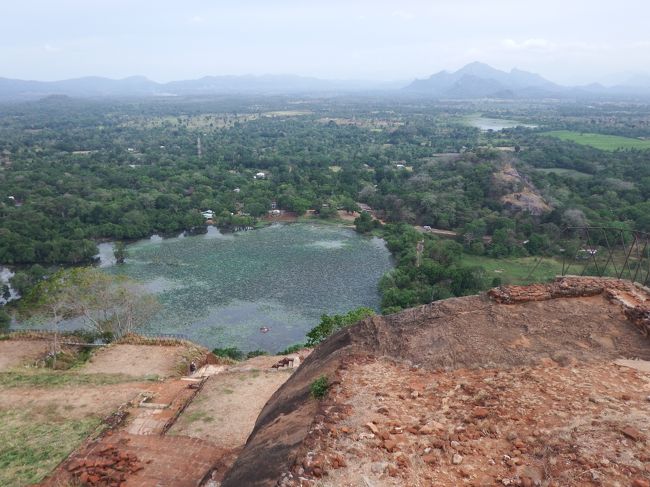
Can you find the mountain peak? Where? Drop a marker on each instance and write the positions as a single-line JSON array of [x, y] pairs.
[[478, 80], [478, 68]]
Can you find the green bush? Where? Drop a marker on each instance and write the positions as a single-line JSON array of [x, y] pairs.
[[92, 336], [319, 387], [5, 320], [331, 324], [365, 223], [229, 352], [292, 349], [236, 354], [256, 353], [67, 360]]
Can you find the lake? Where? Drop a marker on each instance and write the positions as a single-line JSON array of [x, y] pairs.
[[486, 124], [220, 289], [5, 276]]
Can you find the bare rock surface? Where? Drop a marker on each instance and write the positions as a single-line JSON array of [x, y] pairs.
[[516, 387]]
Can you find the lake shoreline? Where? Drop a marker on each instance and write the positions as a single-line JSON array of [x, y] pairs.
[[223, 288]]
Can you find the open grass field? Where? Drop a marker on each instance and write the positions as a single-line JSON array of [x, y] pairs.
[[523, 270], [204, 122], [516, 270], [227, 407], [50, 378], [600, 141], [18, 352], [45, 414], [287, 113], [34, 443]]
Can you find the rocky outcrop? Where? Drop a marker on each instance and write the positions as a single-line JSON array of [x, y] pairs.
[[633, 298], [564, 287], [516, 193], [570, 319]]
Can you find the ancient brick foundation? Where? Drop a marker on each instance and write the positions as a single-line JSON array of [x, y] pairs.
[[640, 316], [634, 299]]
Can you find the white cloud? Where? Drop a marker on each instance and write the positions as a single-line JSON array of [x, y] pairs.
[[529, 45], [639, 45], [196, 19], [402, 14], [51, 48]]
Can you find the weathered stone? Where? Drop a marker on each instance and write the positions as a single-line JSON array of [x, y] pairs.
[[439, 444], [430, 459], [373, 428], [632, 433], [390, 445], [480, 412], [457, 459]]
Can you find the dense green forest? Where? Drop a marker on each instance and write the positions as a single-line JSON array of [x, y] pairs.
[[74, 173]]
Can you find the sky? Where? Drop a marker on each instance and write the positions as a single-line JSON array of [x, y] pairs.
[[567, 41]]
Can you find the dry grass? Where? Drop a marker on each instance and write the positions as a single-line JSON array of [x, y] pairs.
[[225, 410], [135, 339], [34, 442]]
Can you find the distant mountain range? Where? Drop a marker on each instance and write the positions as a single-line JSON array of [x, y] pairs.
[[138, 86], [476, 80]]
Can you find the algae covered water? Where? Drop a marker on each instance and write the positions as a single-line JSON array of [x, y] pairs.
[[221, 290]]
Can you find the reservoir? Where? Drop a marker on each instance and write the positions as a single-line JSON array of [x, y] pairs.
[[220, 290], [485, 123]]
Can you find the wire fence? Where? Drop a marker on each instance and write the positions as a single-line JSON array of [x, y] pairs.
[[601, 252]]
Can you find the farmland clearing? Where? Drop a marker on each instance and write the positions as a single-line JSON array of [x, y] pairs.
[[600, 141]]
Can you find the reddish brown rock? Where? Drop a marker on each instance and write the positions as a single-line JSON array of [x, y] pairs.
[[632, 433], [480, 412], [373, 428], [390, 445], [430, 459]]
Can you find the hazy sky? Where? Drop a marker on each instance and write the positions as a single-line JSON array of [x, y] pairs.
[[568, 41]]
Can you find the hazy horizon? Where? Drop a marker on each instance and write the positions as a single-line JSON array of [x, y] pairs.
[[566, 42]]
